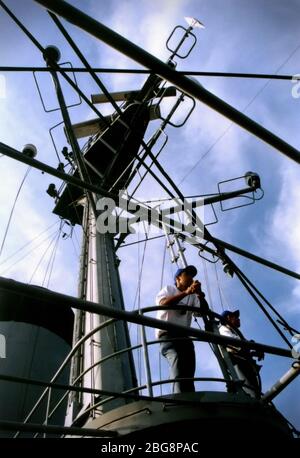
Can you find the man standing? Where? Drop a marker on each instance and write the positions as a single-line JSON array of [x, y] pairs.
[[180, 352], [242, 360]]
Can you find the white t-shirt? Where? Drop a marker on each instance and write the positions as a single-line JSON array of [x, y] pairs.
[[175, 316], [229, 332]]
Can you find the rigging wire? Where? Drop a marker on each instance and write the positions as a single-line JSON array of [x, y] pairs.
[[140, 269], [27, 254], [42, 257], [147, 72], [163, 264], [219, 287], [282, 320], [244, 281], [76, 239], [12, 210], [52, 258], [138, 331], [77, 255], [222, 289], [28, 243], [137, 298], [161, 285], [231, 124], [207, 284]]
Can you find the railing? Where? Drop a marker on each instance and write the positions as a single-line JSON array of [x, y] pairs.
[[133, 394]]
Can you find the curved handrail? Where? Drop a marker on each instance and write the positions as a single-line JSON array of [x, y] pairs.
[[107, 323], [76, 348], [65, 362], [146, 344]]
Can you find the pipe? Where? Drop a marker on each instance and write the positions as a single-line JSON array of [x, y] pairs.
[[285, 380]]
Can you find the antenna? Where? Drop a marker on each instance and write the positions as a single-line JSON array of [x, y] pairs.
[[193, 22]]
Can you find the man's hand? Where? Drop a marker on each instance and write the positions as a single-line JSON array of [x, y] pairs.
[[259, 354], [194, 288]]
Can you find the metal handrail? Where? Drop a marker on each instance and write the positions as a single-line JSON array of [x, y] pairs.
[[65, 362], [108, 322], [224, 362], [68, 358], [150, 384], [83, 373], [102, 360]]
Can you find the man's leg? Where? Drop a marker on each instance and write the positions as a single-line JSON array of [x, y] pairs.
[[186, 364], [169, 351], [181, 357], [247, 372]]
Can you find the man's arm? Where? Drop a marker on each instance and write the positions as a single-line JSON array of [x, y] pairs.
[[173, 300], [204, 307]]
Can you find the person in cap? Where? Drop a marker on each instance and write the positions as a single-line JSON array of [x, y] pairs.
[[180, 352], [245, 366]]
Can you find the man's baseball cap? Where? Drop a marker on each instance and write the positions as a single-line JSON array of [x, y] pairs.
[[190, 270], [228, 313]]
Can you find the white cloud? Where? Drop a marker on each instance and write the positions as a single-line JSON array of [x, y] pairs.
[[284, 227]]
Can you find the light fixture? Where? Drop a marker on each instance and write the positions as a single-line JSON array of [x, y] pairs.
[[228, 270], [29, 150], [52, 191], [252, 180], [52, 54]]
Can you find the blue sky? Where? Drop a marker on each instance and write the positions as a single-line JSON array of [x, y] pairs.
[[261, 36]]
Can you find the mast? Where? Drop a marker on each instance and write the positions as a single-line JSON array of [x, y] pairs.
[[103, 286]]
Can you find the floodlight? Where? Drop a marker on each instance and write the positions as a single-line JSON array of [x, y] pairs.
[[228, 270], [52, 54], [29, 150], [52, 191], [252, 180]]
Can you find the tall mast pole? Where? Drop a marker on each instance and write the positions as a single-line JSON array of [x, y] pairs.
[[76, 397], [104, 287]]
